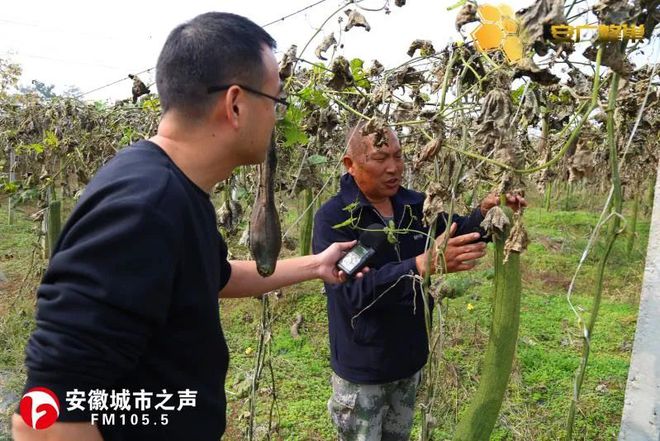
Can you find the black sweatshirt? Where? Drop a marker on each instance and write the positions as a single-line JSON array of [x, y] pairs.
[[377, 330], [130, 302]]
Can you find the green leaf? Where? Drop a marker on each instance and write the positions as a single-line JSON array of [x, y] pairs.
[[152, 105], [516, 94], [359, 75], [9, 187], [356, 64], [314, 96], [347, 222], [320, 72], [389, 230], [352, 206], [50, 139], [317, 159], [290, 128], [458, 4], [30, 148]]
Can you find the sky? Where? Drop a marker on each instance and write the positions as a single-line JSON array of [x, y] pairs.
[[92, 44]]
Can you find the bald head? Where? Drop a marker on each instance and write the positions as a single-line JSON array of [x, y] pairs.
[[377, 170]]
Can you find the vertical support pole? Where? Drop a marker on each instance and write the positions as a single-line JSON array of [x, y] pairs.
[[12, 178], [54, 224]]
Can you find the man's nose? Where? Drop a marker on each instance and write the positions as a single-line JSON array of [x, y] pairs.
[[391, 165]]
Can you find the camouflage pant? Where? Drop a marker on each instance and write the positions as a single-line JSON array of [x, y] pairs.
[[373, 412]]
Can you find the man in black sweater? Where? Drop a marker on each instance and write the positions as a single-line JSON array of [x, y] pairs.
[[378, 340], [128, 325]]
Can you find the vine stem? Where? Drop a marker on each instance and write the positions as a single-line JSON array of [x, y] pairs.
[[318, 31], [572, 138], [616, 208]]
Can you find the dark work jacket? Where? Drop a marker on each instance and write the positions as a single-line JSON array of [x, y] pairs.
[[387, 341]]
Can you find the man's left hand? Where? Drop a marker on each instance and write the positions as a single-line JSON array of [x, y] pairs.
[[513, 201]]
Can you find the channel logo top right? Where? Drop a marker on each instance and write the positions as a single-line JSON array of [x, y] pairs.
[[498, 29]]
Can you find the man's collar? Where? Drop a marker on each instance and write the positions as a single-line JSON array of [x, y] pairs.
[[349, 193]]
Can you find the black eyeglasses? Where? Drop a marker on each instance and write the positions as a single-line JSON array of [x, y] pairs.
[[280, 103]]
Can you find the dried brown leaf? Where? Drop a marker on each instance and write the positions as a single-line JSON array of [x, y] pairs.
[[425, 48], [467, 14], [341, 74], [287, 63], [433, 204], [427, 153], [379, 128], [376, 69], [355, 19], [496, 221], [533, 19], [527, 68], [612, 57], [325, 45], [518, 239]]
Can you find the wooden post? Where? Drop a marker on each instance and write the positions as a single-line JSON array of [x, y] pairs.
[[12, 178], [54, 219], [307, 221]]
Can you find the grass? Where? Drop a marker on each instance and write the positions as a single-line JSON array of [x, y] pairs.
[[549, 345]]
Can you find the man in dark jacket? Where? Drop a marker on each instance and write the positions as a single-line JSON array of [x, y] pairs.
[[378, 341]]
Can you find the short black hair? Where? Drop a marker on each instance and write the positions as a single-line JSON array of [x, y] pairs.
[[212, 49]]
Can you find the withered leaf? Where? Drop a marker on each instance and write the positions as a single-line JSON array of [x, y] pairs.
[[425, 48], [405, 75], [288, 60], [496, 221], [355, 19], [533, 19], [493, 123], [527, 68], [613, 11], [518, 239], [433, 204], [378, 127], [612, 57], [467, 14], [341, 74], [375, 69], [325, 45], [582, 163], [427, 153]]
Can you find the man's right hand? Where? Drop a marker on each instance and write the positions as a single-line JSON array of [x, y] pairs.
[[460, 254]]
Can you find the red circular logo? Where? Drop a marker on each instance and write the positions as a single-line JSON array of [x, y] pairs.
[[40, 408]]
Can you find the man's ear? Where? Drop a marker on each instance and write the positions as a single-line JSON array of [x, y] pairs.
[[348, 163], [232, 106]]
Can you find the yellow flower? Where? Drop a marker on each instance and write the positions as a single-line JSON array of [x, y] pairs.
[[470, 307], [248, 351]]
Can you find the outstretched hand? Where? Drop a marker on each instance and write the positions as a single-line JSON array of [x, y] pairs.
[[327, 263], [461, 253]]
